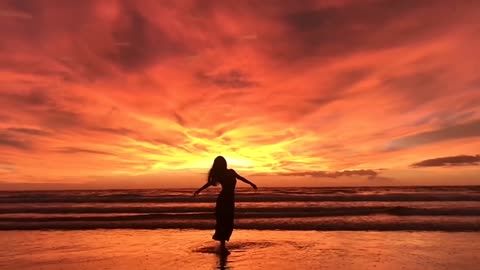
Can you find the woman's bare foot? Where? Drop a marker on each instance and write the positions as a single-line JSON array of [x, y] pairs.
[[223, 249]]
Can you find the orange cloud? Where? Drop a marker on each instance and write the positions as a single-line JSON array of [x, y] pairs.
[[121, 89]]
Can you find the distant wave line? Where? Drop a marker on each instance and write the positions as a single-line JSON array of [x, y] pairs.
[[249, 212], [245, 198]]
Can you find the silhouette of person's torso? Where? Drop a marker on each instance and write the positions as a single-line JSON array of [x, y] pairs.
[[228, 181]]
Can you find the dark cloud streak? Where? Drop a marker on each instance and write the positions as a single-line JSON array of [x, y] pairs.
[[75, 150], [12, 141], [462, 160], [233, 79], [371, 174], [29, 131]]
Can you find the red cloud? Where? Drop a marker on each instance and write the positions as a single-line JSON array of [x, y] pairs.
[[274, 85]]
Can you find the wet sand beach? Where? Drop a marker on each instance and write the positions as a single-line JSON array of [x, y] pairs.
[[250, 249]]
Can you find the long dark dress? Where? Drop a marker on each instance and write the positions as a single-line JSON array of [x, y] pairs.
[[225, 207]]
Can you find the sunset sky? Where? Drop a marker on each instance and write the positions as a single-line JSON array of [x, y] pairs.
[[114, 94]]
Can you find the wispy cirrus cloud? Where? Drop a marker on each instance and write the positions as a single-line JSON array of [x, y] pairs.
[[459, 131]]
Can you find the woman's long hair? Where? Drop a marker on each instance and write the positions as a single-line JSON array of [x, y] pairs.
[[218, 169]]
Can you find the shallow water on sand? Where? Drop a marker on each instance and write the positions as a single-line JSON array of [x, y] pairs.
[[250, 249]]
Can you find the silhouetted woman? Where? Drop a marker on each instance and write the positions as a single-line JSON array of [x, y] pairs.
[[225, 206]]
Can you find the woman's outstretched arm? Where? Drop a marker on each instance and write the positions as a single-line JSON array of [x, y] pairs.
[[243, 179], [202, 188]]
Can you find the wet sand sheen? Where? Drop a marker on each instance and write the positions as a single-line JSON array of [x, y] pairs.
[[251, 249]]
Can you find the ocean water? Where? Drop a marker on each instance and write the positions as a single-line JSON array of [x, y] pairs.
[[353, 209]]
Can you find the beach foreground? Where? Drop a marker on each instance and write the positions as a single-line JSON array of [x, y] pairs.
[[250, 249]]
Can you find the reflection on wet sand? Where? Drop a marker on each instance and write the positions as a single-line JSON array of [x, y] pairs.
[[222, 261]]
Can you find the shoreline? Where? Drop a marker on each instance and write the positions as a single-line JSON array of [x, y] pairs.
[[368, 223]]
